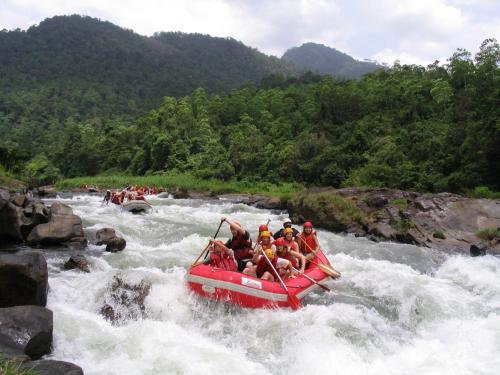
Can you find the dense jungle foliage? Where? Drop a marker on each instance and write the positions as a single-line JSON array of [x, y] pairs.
[[427, 129]]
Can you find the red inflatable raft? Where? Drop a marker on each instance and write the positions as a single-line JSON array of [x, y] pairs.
[[247, 291]]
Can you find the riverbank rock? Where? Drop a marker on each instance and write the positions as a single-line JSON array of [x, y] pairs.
[[26, 330], [63, 227], [116, 244], [50, 367], [445, 221], [179, 193], [125, 300], [23, 279], [77, 262]]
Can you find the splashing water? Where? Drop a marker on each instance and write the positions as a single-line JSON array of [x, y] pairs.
[[398, 309]]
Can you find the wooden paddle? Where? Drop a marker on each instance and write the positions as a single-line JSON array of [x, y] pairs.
[[329, 270], [312, 280], [294, 302], [205, 249]]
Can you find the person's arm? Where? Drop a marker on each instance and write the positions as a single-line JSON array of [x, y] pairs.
[[302, 259], [232, 224]]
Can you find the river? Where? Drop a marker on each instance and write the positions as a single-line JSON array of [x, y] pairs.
[[397, 309]]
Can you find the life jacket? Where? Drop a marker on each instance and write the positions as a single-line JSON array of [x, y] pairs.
[[115, 198], [291, 244], [220, 257], [307, 243], [241, 247], [140, 198], [288, 256], [263, 266]]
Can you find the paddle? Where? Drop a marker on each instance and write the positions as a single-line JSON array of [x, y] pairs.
[[330, 271], [205, 249], [312, 280], [294, 302]]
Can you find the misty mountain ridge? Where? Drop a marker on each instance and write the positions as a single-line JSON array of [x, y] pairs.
[[327, 60]]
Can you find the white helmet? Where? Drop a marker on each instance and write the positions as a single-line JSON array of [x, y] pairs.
[[287, 221]]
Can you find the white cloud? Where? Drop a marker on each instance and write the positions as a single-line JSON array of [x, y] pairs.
[[411, 31]]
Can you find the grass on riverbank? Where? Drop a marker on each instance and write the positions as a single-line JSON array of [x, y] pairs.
[[186, 181], [14, 368], [9, 181]]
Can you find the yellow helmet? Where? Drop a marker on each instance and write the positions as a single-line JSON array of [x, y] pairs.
[[270, 253], [288, 230], [265, 233]]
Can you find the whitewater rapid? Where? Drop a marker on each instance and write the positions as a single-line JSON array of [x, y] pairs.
[[397, 309]]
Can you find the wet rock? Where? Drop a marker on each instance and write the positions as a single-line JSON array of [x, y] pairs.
[[50, 367], [125, 300], [46, 191], [23, 279], [116, 244], [10, 222], [77, 262], [4, 198], [26, 330], [62, 227], [478, 250], [179, 193], [20, 200], [39, 213], [104, 235], [269, 203]]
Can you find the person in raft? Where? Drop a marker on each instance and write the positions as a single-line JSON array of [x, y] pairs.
[[285, 252], [287, 223], [263, 228], [308, 242], [263, 244], [221, 257], [107, 197], [240, 243]]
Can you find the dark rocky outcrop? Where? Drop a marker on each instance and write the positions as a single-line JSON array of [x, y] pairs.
[[125, 300], [26, 330], [63, 227], [50, 367], [23, 279], [116, 244], [445, 221], [104, 235], [77, 262], [179, 193]]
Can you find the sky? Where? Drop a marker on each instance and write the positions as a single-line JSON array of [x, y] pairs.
[[411, 31]]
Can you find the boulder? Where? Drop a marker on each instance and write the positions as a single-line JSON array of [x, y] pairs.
[[4, 198], [478, 250], [39, 213], [125, 300], [20, 200], [179, 193], [26, 330], [116, 244], [50, 367], [62, 227], [104, 235], [77, 262], [23, 279], [10, 222]]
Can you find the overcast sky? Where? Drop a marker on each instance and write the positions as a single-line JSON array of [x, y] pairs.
[[413, 31]]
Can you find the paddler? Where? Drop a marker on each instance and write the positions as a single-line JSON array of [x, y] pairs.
[[107, 197], [287, 223], [308, 242], [284, 252], [240, 243]]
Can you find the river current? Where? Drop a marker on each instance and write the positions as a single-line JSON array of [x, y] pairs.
[[398, 309]]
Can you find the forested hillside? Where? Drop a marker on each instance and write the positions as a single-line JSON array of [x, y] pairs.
[[83, 68], [409, 127], [326, 60]]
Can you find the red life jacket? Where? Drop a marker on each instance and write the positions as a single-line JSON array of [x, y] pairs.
[[310, 240], [221, 258], [263, 266], [291, 244], [288, 256], [241, 247]]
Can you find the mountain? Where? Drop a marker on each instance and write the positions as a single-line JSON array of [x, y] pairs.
[[97, 67], [326, 60]]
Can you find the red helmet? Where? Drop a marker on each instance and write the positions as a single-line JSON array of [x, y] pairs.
[[308, 224], [280, 242], [263, 228]]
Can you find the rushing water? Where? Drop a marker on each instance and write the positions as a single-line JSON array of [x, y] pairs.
[[398, 309]]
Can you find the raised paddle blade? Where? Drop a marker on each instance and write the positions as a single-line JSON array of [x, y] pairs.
[[329, 271], [294, 302]]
